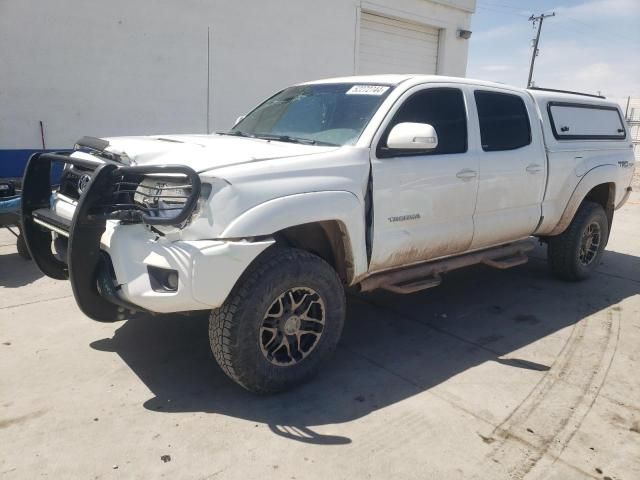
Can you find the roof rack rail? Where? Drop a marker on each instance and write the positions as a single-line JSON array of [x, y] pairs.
[[566, 91]]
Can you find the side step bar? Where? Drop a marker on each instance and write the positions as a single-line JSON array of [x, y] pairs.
[[505, 263], [427, 275], [416, 286]]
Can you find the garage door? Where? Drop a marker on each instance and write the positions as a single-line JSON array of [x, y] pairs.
[[388, 45]]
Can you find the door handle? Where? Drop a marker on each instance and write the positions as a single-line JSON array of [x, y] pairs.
[[534, 168], [466, 174]]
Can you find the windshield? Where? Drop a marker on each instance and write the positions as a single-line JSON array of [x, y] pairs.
[[321, 114]]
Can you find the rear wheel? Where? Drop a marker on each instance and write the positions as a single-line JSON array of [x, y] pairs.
[[281, 321], [576, 252]]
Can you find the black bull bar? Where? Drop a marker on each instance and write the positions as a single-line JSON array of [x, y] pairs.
[[108, 195]]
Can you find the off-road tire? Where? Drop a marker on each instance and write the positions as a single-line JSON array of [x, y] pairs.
[[234, 328], [21, 245], [563, 250]]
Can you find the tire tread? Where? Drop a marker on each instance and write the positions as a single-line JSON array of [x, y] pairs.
[[561, 249], [223, 325]]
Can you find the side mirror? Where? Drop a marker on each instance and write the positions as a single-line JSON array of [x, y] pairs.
[[239, 119], [414, 136]]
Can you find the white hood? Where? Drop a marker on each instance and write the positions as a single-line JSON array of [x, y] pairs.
[[205, 152]]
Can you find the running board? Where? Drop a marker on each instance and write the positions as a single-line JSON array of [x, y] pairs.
[[505, 263], [427, 275], [416, 286]]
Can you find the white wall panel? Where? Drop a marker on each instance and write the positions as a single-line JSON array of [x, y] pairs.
[[134, 68], [388, 45]]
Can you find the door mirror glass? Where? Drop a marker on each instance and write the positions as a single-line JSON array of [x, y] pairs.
[[412, 136]]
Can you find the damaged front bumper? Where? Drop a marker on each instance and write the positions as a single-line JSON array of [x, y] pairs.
[[206, 270], [113, 259]]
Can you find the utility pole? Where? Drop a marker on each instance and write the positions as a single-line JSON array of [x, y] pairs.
[[540, 18]]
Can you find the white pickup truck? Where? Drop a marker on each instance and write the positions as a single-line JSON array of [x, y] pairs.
[[369, 182]]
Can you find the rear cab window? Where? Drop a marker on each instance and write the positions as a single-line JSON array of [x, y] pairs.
[[504, 121], [581, 121]]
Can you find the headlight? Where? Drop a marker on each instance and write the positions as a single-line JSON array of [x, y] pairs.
[[162, 198], [165, 197]]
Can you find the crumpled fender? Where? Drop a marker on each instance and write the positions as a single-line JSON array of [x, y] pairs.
[[280, 213]]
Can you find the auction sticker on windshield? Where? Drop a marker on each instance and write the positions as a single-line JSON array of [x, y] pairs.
[[367, 90]]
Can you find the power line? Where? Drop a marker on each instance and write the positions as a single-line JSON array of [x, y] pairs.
[[539, 19], [497, 10], [592, 31], [585, 27], [502, 5]]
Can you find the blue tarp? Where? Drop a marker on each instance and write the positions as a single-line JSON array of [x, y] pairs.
[[13, 162], [10, 206]]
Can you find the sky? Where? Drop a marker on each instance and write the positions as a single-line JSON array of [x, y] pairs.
[[589, 46]]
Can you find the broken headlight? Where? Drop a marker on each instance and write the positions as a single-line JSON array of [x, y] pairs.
[[165, 197], [162, 197]]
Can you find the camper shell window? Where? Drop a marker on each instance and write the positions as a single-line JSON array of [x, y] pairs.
[[580, 121]]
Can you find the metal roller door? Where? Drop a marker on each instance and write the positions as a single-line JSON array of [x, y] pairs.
[[388, 45]]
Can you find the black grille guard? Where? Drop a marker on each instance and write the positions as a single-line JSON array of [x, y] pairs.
[[88, 270]]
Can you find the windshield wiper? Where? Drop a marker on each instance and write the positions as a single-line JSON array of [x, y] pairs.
[[290, 139], [236, 133], [277, 138], [285, 138]]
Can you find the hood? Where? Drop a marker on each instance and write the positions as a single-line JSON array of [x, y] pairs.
[[205, 152]]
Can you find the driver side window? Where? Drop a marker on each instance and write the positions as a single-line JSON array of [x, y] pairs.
[[442, 108]]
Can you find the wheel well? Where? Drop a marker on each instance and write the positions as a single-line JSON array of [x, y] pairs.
[[326, 239], [604, 194]]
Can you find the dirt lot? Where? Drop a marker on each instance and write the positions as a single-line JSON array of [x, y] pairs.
[[495, 374]]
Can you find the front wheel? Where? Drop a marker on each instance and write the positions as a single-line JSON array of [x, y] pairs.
[[576, 252], [21, 245], [280, 322]]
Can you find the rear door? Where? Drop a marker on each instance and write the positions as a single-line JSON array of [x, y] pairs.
[[512, 166], [423, 201]]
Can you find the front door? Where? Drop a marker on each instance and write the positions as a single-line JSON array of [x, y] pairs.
[[423, 201]]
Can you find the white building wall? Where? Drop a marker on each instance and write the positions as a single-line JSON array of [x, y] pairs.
[[128, 68]]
